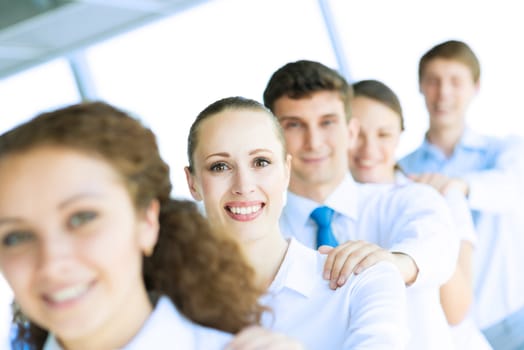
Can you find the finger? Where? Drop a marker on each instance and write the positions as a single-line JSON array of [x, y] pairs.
[[331, 257], [346, 259], [245, 338], [373, 259], [324, 249], [354, 260]]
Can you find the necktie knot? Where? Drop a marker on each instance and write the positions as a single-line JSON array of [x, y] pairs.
[[322, 216]]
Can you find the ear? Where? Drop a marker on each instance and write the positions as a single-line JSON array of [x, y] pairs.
[[477, 87], [150, 226], [191, 183], [353, 130]]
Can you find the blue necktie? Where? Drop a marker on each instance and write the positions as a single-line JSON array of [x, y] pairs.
[[322, 216]]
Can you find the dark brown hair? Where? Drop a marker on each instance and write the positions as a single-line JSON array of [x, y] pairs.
[[451, 50], [228, 103], [302, 78], [201, 270], [380, 92]]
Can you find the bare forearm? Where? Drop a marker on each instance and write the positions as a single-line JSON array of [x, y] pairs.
[[456, 295], [407, 267]]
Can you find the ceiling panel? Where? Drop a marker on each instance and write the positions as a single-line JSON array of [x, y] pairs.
[[60, 27]]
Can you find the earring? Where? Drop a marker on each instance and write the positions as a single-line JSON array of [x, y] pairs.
[[18, 316], [148, 251]]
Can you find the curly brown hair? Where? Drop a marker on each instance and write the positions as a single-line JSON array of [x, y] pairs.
[[203, 271]]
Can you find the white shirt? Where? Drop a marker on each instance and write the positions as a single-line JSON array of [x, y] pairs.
[[413, 219], [494, 170], [6, 316], [459, 210], [167, 328], [466, 335], [368, 312]]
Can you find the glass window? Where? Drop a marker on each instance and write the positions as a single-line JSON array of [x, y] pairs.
[[385, 39], [169, 71], [44, 87]]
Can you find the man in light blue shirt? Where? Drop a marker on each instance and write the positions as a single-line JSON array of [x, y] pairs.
[[490, 172], [410, 225]]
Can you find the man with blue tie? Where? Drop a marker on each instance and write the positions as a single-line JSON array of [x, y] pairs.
[[408, 225]]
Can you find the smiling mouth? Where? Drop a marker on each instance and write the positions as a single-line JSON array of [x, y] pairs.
[[244, 213], [68, 295], [252, 209]]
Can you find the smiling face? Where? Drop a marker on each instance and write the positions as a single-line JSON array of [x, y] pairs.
[[448, 87], [240, 173], [71, 243], [372, 159], [318, 137]]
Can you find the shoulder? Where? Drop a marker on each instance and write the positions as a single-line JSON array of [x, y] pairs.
[[382, 276], [412, 156], [495, 144], [167, 325], [411, 193]]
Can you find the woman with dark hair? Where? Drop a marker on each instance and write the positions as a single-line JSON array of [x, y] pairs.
[[372, 160], [97, 253]]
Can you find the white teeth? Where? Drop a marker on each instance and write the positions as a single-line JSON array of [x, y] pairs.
[[245, 210], [68, 293], [366, 163]]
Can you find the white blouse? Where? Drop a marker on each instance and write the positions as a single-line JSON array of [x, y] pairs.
[[167, 328]]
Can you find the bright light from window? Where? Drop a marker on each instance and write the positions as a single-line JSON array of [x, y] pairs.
[[47, 86], [385, 39], [169, 71]]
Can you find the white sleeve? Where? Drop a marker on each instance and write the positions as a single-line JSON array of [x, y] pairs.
[[500, 188], [462, 216], [378, 316], [419, 223]]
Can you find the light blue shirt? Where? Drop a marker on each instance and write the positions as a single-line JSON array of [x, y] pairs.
[[494, 170], [413, 219]]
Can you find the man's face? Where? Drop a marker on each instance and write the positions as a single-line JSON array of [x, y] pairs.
[[318, 137], [448, 88]]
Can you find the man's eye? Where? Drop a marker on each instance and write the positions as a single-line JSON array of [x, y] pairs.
[[219, 167], [15, 238], [291, 125], [81, 218]]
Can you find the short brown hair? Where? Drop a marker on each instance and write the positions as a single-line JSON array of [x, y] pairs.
[[302, 78], [451, 50]]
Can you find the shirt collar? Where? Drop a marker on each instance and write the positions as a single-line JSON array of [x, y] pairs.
[[165, 324], [469, 140], [344, 200], [295, 271]]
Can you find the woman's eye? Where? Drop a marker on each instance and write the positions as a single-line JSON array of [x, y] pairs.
[[261, 162], [219, 167], [15, 238], [80, 218]]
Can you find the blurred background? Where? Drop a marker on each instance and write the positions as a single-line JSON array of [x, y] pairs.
[[165, 60]]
